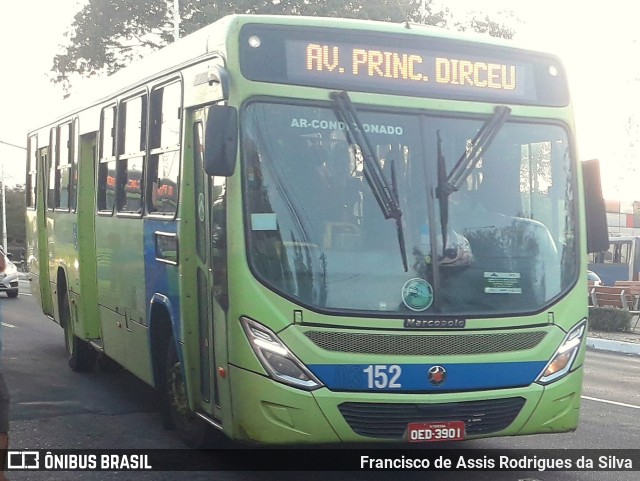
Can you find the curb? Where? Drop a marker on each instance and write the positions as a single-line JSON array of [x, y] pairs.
[[613, 346]]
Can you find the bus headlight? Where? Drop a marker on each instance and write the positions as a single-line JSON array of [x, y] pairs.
[[562, 360], [276, 358]]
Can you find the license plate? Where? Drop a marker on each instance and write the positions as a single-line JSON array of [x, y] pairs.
[[434, 432]]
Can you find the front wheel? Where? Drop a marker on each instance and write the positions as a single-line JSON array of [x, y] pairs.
[[82, 357], [194, 431]]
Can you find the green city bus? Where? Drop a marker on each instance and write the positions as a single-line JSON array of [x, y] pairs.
[[320, 230]]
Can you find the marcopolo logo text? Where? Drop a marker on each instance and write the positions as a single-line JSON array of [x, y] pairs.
[[435, 323]]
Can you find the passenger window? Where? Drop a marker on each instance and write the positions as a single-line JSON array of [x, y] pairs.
[[52, 199], [164, 144], [107, 163], [32, 171], [65, 163], [131, 147]]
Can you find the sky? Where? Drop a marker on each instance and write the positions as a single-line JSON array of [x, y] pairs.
[[30, 35], [600, 48]]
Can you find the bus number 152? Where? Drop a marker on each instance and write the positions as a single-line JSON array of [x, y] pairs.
[[382, 376]]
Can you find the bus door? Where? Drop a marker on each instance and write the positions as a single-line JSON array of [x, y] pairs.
[[209, 199], [39, 265], [84, 236], [45, 240]]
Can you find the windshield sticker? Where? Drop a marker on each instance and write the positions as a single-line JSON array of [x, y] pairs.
[[502, 283], [266, 221], [417, 294], [319, 124]]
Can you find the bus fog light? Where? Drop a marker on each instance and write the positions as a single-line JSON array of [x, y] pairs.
[[562, 361], [276, 358]]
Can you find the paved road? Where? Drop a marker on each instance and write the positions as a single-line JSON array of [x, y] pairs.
[[52, 407]]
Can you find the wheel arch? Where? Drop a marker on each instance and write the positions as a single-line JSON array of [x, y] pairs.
[[61, 291], [162, 330]]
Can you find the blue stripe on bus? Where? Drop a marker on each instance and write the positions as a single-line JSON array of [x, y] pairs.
[[415, 377], [160, 277]]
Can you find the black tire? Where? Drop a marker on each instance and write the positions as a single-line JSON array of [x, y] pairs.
[[193, 431], [12, 293], [82, 357], [106, 364]]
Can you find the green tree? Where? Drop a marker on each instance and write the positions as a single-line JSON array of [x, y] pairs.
[[106, 35]]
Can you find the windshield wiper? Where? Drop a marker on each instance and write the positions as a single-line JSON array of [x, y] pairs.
[[385, 193], [448, 184]]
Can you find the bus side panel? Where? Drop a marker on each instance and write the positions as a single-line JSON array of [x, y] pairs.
[[32, 257], [160, 270], [139, 352], [64, 255], [610, 273], [121, 293], [131, 263], [110, 296], [112, 326]]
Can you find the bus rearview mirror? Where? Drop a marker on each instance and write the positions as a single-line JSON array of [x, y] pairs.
[[597, 230], [221, 141]]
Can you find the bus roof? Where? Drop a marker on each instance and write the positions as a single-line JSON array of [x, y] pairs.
[[212, 38]]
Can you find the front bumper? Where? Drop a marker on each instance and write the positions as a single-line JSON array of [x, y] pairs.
[[273, 413]]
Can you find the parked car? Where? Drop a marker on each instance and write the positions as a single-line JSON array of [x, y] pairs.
[[9, 278], [594, 278]]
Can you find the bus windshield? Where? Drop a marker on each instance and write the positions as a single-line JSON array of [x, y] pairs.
[[316, 233]]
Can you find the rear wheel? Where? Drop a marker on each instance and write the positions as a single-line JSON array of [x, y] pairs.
[[82, 357], [105, 363], [194, 431]]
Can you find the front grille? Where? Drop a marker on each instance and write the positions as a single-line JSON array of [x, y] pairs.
[[425, 344], [389, 420]]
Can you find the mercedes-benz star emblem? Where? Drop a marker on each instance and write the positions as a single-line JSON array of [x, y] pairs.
[[437, 375]]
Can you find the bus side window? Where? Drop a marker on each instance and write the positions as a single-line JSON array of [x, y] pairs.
[[52, 201], [617, 256], [624, 253], [64, 167], [164, 149], [32, 172], [107, 163], [73, 161], [131, 149]]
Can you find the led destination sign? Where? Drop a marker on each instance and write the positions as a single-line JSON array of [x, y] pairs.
[[383, 67], [400, 64]]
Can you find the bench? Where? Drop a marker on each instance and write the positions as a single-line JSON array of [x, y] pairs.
[[620, 297], [631, 285], [632, 288]]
